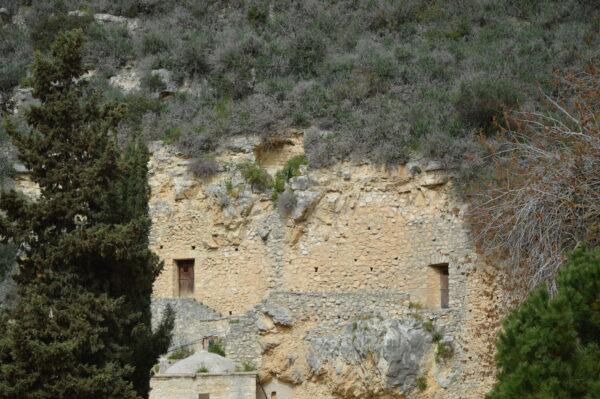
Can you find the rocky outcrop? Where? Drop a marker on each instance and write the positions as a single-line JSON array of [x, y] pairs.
[[280, 315], [132, 24], [370, 356]]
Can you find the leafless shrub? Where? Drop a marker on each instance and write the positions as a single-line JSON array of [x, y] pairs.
[[204, 167], [543, 197]]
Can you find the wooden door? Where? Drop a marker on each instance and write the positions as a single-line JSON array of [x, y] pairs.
[[444, 288], [185, 270]]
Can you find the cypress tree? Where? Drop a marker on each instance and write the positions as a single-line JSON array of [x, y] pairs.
[[84, 247], [550, 346], [57, 343]]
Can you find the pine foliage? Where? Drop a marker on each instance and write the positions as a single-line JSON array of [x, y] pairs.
[[82, 328], [550, 346]]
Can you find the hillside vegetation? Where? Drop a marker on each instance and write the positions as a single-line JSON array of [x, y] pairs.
[[381, 80], [503, 91]]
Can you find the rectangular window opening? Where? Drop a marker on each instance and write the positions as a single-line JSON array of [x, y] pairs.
[[444, 284], [206, 341], [185, 277], [204, 396]]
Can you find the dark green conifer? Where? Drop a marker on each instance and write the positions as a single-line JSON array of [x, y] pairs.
[[550, 346], [85, 236]]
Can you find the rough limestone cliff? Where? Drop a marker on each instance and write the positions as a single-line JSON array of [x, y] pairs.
[[337, 296]]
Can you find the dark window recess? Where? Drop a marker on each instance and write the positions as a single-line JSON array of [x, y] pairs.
[[273, 395], [185, 274], [206, 341], [203, 396], [442, 273], [444, 287]]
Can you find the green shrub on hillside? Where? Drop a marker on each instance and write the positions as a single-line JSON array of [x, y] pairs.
[[481, 102], [256, 176], [108, 46], [306, 53], [153, 83], [379, 79], [289, 170], [16, 56], [8, 257], [46, 28], [258, 13]]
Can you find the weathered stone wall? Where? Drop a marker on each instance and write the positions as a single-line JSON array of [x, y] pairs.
[[189, 386], [369, 229], [339, 299], [358, 247]]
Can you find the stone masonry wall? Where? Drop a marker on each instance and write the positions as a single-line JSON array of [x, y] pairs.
[[220, 386], [369, 229], [338, 299], [359, 248]]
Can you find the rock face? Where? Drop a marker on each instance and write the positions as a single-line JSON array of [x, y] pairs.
[[279, 314], [395, 348], [340, 299], [4, 15], [127, 79], [404, 348], [331, 299]]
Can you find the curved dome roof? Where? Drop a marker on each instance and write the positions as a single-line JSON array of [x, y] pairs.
[[202, 359]]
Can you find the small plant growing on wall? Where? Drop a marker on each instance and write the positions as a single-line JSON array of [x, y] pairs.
[[256, 176], [415, 308], [444, 351], [232, 190], [436, 336], [422, 383], [202, 369], [289, 170], [429, 326], [248, 367], [180, 353], [216, 347]]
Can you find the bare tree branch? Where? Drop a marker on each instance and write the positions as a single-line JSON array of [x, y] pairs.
[[543, 198]]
